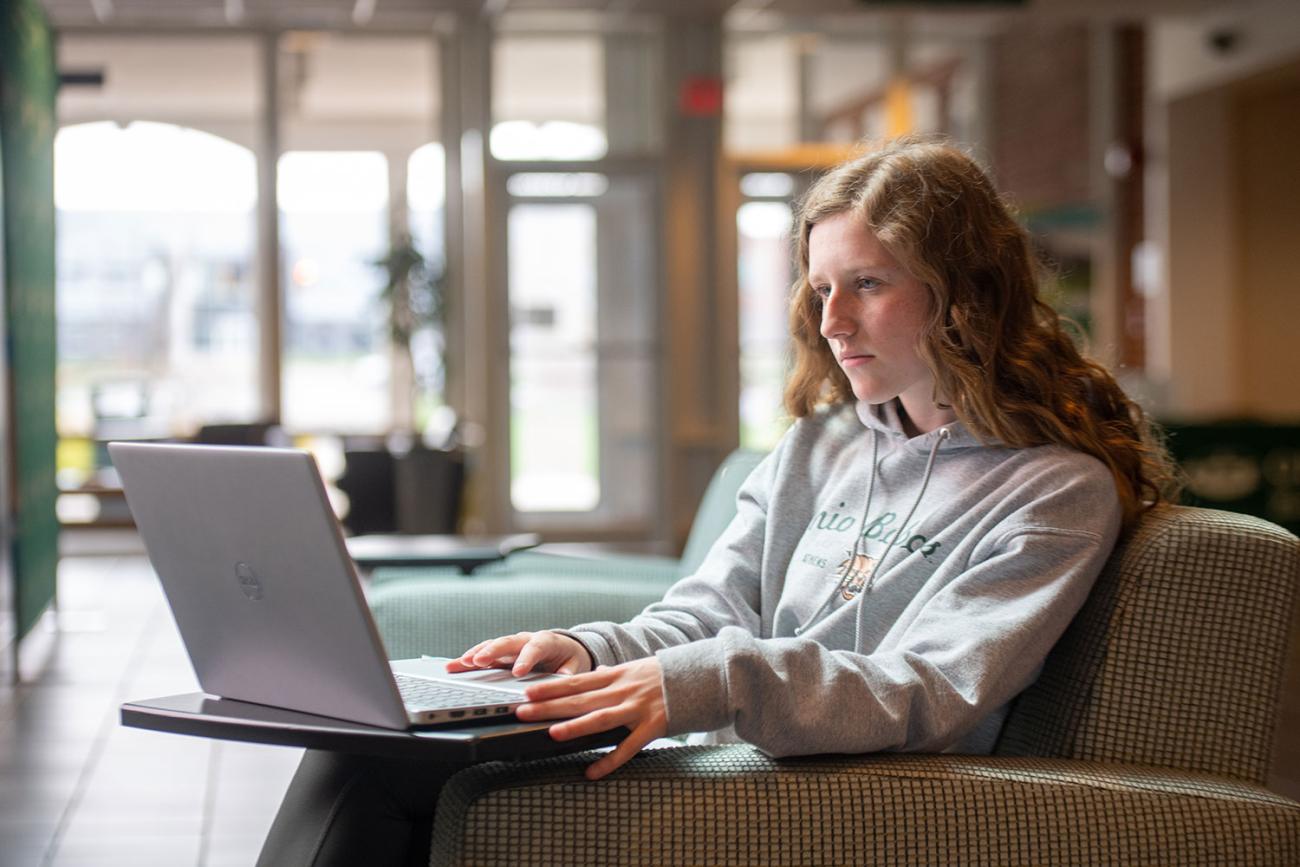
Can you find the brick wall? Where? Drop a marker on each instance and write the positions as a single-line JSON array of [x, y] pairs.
[[1040, 100]]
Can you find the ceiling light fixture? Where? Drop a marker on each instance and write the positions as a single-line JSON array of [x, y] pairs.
[[103, 10], [363, 11]]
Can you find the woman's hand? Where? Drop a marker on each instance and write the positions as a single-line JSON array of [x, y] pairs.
[[589, 702], [630, 695], [524, 652]]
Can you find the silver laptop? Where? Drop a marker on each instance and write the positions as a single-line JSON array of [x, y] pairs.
[[268, 603]]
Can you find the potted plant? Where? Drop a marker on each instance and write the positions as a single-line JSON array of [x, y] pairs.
[[413, 297], [427, 477]]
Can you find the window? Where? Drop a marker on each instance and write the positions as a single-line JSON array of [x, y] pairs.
[[553, 442], [583, 320], [548, 98], [157, 333], [426, 220], [765, 272], [333, 229]]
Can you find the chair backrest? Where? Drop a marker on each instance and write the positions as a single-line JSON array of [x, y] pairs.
[[1177, 658], [717, 507]]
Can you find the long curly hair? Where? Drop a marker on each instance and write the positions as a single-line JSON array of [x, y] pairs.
[[999, 355]]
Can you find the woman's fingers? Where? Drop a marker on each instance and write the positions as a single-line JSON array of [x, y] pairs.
[[524, 652], [629, 747], [543, 650], [494, 653], [593, 723], [628, 695], [463, 662], [575, 685]]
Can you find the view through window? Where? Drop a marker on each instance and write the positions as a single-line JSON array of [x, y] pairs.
[[334, 228], [765, 272], [155, 308]]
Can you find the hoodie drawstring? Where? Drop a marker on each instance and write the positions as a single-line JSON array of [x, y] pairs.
[[943, 434], [871, 580], [857, 537]]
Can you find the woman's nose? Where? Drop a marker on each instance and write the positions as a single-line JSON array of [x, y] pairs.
[[836, 317]]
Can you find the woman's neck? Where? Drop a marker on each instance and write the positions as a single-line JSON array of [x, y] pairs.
[[917, 421]]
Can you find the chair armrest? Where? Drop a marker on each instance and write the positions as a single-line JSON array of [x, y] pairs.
[[531, 564], [733, 805], [446, 617]]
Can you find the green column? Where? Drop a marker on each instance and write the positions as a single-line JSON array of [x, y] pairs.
[[28, 81]]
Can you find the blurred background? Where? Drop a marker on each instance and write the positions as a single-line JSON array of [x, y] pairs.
[[522, 266]]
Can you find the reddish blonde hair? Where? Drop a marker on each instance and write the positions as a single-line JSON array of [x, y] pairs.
[[998, 353]]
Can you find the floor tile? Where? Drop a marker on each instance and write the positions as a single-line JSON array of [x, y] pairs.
[[135, 823], [22, 850], [36, 799], [26, 831], [234, 851], [138, 851]]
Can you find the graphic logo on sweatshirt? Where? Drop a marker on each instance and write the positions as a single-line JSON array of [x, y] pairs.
[[853, 573]]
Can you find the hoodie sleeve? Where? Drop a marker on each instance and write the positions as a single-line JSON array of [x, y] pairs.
[[975, 646], [724, 592]]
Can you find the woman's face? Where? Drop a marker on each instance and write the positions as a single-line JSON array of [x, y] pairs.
[[872, 315]]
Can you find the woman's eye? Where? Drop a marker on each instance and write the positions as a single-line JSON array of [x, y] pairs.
[[868, 283]]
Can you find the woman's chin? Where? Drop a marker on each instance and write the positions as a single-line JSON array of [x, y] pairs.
[[874, 396]]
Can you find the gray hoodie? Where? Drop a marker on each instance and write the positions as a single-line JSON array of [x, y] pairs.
[[875, 591]]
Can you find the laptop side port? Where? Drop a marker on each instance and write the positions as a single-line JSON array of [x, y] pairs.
[[457, 714]]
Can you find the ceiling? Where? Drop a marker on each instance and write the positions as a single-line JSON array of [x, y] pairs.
[[421, 14]]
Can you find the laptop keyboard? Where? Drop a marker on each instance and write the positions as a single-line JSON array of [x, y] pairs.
[[421, 694]]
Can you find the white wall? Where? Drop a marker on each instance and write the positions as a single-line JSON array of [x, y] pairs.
[[1183, 61], [1197, 308], [1224, 341], [1224, 177], [1267, 123]]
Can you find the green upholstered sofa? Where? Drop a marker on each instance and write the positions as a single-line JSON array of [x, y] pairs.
[[442, 612], [1146, 740]]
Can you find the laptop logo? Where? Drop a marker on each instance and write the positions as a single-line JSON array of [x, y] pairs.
[[249, 584]]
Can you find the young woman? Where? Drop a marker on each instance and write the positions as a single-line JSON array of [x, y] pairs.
[[903, 560]]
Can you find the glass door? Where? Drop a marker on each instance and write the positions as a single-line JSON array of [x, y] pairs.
[[583, 335], [765, 272]]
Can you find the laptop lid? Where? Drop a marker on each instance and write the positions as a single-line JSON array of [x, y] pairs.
[[254, 567]]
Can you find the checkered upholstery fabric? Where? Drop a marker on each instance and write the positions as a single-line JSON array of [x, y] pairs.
[[1177, 658], [1144, 741], [734, 806]]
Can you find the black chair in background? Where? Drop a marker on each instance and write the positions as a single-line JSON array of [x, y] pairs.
[[258, 433], [416, 492], [1245, 465]]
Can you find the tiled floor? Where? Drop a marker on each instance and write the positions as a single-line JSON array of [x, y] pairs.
[[76, 788]]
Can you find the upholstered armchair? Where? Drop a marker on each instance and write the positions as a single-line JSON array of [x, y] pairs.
[[442, 612], [1146, 740]]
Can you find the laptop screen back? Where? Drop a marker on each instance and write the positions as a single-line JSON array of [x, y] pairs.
[[254, 566]]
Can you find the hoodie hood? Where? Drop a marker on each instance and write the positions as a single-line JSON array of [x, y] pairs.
[[886, 421]]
